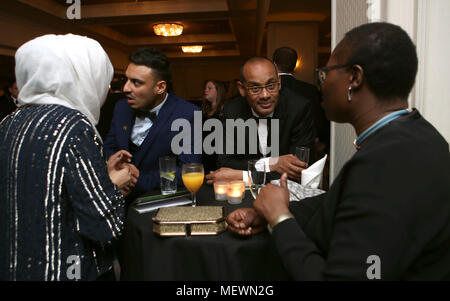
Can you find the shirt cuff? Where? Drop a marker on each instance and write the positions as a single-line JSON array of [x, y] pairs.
[[259, 164], [245, 177]]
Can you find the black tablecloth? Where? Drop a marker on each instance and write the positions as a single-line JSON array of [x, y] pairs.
[[147, 256]]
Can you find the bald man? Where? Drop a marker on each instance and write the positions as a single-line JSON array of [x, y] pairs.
[[288, 123]]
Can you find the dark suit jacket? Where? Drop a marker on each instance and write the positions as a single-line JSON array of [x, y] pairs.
[[296, 127], [322, 124], [156, 144], [107, 112], [391, 199]]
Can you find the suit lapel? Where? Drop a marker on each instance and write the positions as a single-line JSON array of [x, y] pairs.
[[249, 115], [280, 111], [163, 117], [126, 128], [279, 114]]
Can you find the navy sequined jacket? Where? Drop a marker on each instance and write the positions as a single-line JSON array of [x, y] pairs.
[[57, 202]]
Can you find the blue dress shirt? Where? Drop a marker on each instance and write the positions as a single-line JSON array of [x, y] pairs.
[[142, 125]]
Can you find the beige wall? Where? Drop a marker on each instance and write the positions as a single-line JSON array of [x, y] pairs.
[[431, 95], [346, 14], [427, 22], [301, 37]]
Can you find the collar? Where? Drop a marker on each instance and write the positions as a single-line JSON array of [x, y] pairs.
[[377, 125], [284, 73], [257, 116], [158, 107]]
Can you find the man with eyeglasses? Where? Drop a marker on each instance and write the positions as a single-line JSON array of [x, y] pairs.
[[263, 101]]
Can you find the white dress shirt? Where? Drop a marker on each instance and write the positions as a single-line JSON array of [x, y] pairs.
[[262, 135], [142, 125]]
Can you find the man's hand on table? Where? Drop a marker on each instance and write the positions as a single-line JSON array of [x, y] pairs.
[[289, 164], [224, 174], [245, 221]]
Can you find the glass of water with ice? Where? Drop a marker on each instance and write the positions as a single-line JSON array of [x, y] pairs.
[[167, 174]]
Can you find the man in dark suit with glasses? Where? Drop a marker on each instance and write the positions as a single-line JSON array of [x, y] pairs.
[[282, 123]]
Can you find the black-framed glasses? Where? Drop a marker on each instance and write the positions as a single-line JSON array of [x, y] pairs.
[[322, 72], [256, 90]]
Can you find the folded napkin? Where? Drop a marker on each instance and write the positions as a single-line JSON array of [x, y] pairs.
[[312, 176], [298, 192]]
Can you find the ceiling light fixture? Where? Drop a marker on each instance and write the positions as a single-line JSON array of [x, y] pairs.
[[192, 49], [168, 29]]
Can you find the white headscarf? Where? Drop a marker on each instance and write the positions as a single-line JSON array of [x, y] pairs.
[[66, 70]]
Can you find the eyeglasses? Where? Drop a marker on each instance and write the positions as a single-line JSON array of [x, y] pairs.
[[322, 72], [256, 90]]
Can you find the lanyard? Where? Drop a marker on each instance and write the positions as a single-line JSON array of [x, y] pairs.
[[380, 123]]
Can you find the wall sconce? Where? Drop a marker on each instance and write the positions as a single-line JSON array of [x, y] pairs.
[[299, 64], [168, 29], [192, 49]]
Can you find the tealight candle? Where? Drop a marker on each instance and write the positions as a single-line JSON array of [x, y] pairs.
[[220, 191], [235, 192]]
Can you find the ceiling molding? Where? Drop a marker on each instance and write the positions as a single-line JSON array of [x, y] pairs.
[[48, 6], [263, 11], [123, 9], [146, 19], [183, 39], [110, 21], [206, 53], [296, 17], [243, 25], [109, 33]]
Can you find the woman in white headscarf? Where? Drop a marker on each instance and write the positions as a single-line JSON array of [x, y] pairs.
[[60, 204]]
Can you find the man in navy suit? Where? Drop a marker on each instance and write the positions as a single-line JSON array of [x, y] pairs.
[[142, 121]]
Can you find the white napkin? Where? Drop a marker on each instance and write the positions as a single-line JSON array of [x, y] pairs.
[[312, 176], [298, 192]]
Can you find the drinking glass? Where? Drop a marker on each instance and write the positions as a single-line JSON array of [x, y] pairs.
[[167, 174], [302, 153], [256, 176], [193, 175]]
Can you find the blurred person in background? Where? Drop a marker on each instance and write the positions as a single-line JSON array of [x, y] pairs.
[[212, 105], [8, 101]]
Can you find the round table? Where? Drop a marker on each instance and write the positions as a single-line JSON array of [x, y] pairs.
[[226, 256]]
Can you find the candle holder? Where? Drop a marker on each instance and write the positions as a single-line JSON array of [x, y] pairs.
[[220, 191], [235, 192]]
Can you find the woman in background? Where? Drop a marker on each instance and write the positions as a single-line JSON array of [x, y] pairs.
[[214, 98]]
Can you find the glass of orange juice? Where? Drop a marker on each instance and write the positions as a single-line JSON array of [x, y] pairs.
[[193, 175]]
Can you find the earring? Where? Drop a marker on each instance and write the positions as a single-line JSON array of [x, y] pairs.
[[349, 96]]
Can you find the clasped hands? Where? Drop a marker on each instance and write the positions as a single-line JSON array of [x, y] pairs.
[[121, 172]]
